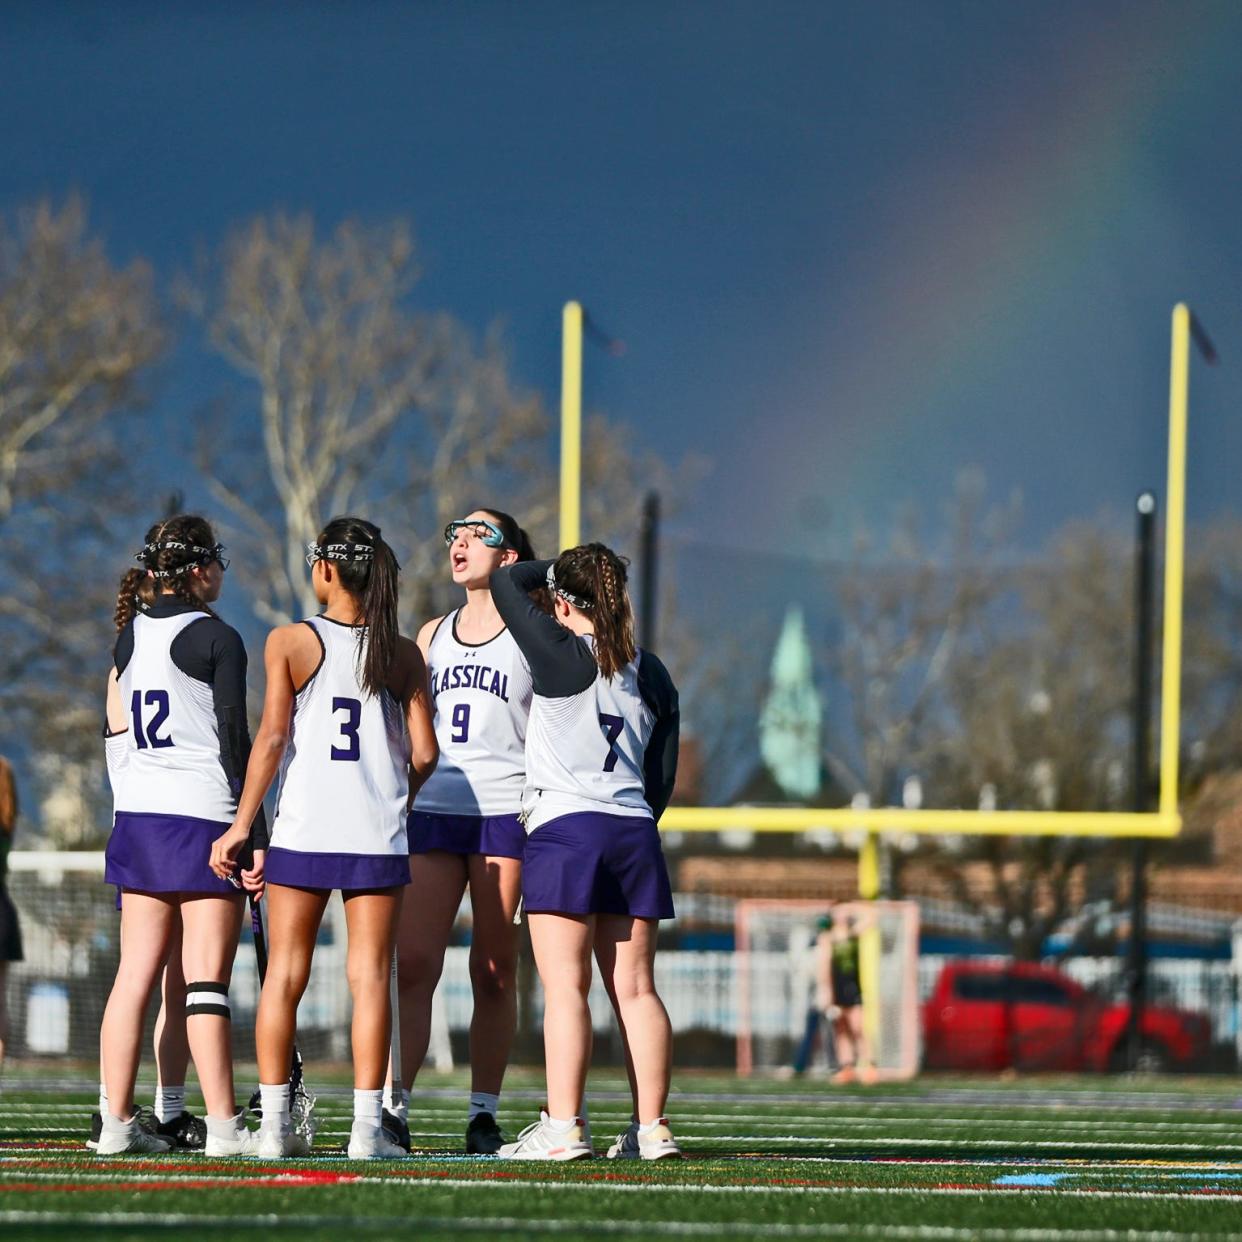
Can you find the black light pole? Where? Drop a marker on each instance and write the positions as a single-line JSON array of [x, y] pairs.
[[1144, 579], [649, 541]]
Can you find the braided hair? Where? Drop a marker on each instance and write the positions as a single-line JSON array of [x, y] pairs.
[[596, 575], [171, 549], [369, 572]]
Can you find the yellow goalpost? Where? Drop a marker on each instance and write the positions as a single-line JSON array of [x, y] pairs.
[[1165, 821]]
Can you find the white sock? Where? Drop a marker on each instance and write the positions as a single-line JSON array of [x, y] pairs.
[[116, 1124], [169, 1102], [399, 1103], [368, 1106], [647, 1126], [103, 1101], [482, 1102], [224, 1127], [562, 1127], [274, 1101]]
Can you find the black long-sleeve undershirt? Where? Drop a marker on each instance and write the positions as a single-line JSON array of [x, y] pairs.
[[211, 651], [562, 665]]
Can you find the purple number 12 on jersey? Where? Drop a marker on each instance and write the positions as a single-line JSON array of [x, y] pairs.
[[159, 700], [612, 730], [461, 722]]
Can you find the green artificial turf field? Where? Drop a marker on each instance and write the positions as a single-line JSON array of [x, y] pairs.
[[1034, 1160]]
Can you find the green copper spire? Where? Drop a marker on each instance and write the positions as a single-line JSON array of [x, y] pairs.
[[789, 725]]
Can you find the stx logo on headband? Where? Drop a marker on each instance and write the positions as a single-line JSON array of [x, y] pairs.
[[148, 554], [578, 602], [339, 552]]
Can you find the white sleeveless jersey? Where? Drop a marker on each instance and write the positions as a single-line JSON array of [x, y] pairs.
[[344, 778], [585, 752], [482, 697], [173, 762]]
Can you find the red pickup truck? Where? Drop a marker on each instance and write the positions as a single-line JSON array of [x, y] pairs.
[[1020, 1015]]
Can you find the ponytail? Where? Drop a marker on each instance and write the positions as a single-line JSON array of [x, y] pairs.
[[135, 594], [596, 575], [370, 573]]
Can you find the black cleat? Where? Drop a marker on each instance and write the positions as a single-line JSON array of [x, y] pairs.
[[396, 1130], [483, 1136], [185, 1133], [96, 1130]]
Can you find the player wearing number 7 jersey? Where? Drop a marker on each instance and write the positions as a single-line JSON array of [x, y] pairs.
[[601, 758], [347, 720]]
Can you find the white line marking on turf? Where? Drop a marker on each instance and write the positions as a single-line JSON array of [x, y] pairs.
[[650, 1188], [462, 1224]]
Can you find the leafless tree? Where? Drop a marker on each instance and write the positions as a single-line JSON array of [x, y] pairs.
[[77, 335], [361, 404]]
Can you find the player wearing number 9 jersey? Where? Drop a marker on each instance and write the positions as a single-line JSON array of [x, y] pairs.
[[347, 720], [601, 758], [464, 828], [177, 726]]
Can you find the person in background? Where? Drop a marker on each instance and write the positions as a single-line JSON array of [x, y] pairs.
[[10, 928], [839, 992]]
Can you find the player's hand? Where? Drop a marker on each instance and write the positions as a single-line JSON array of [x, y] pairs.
[[252, 879], [224, 852], [832, 1012]]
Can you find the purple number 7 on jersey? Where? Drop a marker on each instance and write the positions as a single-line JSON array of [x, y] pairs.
[[612, 730]]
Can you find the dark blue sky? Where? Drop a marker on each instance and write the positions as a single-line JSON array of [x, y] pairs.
[[852, 248]]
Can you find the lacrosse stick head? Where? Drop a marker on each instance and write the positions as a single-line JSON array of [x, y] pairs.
[[302, 1105]]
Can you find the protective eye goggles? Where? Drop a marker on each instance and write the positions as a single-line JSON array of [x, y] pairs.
[[584, 605], [339, 552], [487, 533], [203, 557]]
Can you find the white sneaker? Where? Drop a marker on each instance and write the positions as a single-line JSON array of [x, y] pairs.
[[371, 1143], [242, 1142], [122, 1138], [631, 1144], [279, 1142], [539, 1141]]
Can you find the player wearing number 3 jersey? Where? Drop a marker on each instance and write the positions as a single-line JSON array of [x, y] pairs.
[[346, 718], [601, 757]]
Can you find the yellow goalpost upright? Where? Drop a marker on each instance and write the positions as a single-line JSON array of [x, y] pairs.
[[1165, 821]]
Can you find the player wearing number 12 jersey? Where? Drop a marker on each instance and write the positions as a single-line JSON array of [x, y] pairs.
[[464, 827], [179, 742], [346, 718], [601, 758]]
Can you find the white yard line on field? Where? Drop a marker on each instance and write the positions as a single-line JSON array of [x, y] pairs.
[[406, 1224], [287, 1178]]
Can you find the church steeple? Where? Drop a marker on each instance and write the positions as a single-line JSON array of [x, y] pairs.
[[792, 717]]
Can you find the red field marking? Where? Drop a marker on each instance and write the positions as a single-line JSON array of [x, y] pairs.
[[315, 1177]]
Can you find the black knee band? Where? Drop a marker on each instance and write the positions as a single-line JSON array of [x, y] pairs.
[[212, 998]]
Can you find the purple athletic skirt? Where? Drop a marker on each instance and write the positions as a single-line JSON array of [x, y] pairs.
[[153, 853], [499, 835], [589, 863], [300, 869]]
